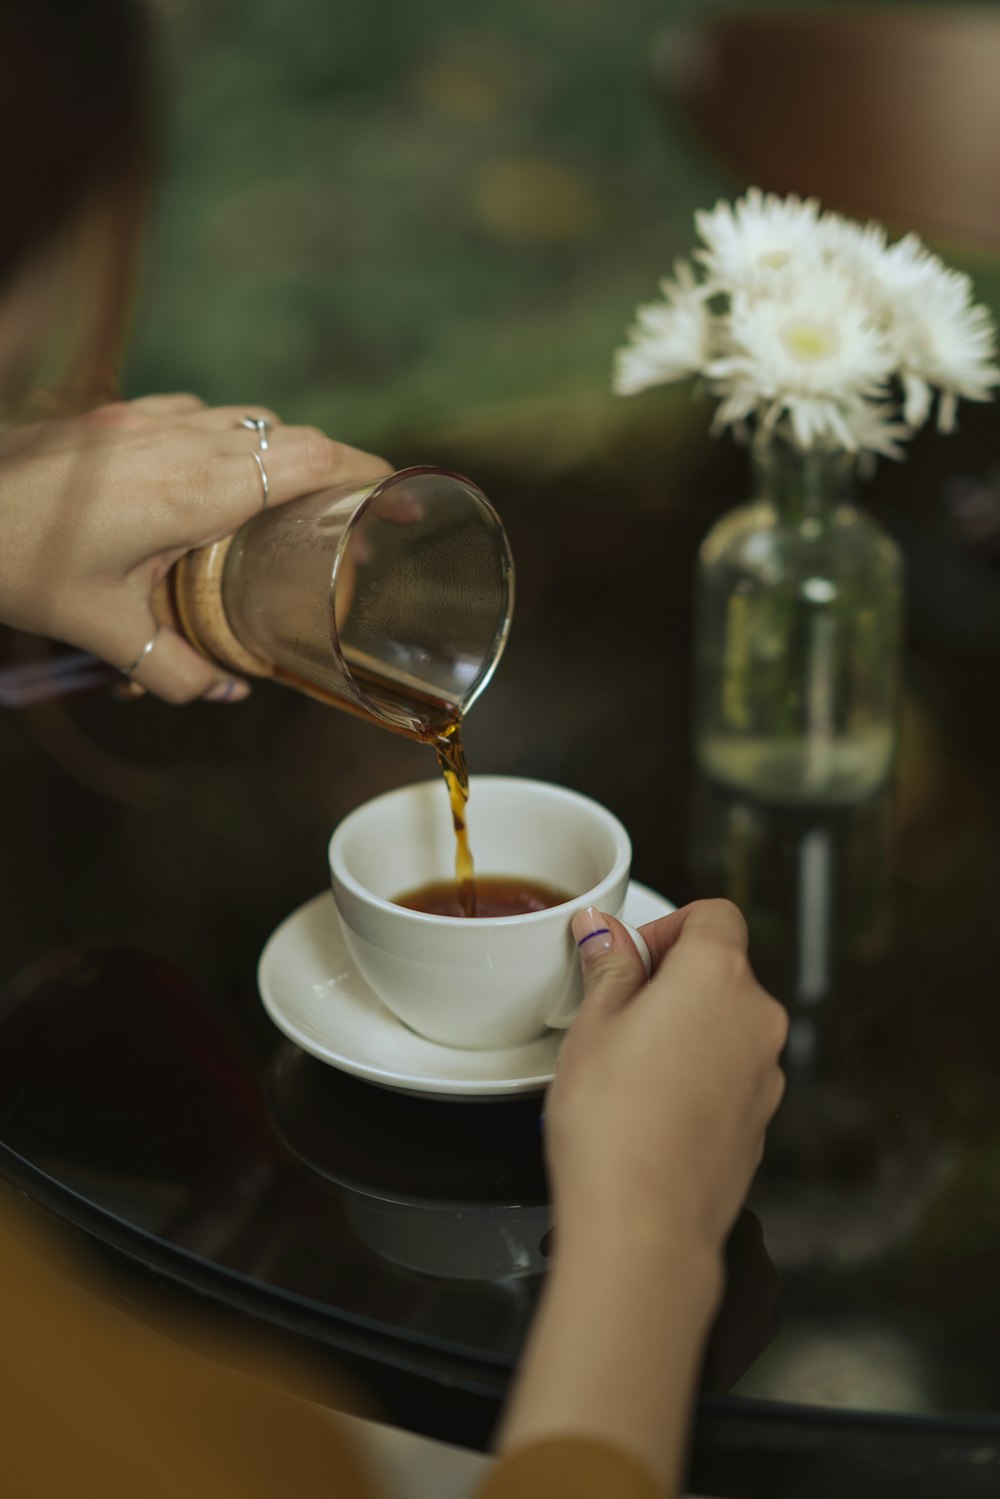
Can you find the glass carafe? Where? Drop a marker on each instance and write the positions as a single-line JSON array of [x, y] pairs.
[[392, 600]]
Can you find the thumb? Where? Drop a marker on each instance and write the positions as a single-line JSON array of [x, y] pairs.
[[612, 969]]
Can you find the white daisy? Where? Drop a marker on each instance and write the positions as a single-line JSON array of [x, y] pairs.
[[854, 249], [669, 340], [802, 319], [806, 355], [942, 339], [747, 242], [876, 428]]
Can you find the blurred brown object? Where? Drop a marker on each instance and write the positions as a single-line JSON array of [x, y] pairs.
[[76, 117], [891, 113]]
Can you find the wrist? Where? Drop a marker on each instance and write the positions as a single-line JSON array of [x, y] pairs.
[[639, 1245], [619, 1337]]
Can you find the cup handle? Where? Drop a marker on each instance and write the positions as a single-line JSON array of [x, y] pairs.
[[564, 1016]]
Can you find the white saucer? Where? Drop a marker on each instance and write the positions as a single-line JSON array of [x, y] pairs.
[[313, 992]]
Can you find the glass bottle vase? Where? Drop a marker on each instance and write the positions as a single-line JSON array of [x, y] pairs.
[[798, 637]]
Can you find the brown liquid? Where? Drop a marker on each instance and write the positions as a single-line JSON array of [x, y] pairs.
[[496, 895], [451, 758], [433, 722]]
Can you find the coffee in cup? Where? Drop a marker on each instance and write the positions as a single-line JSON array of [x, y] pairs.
[[496, 895]]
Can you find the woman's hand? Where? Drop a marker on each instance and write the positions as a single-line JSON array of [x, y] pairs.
[[96, 509], [655, 1125], [656, 1118]]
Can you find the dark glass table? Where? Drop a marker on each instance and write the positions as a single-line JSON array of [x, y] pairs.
[[146, 1099]]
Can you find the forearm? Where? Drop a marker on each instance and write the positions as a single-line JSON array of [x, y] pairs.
[[616, 1347]]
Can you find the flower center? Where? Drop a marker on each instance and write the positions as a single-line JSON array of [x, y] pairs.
[[809, 342], [774, 260]]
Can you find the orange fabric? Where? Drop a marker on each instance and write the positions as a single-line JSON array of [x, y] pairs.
[[96, 1406]]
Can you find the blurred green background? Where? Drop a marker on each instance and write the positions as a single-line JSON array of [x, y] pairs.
[[392, 219], [378, 217]]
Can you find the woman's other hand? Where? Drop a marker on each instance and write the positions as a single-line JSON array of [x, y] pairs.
[[665, 1089], [96, 509], [655, 1125]]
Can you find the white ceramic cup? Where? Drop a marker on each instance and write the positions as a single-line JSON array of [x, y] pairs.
[[478, 982]]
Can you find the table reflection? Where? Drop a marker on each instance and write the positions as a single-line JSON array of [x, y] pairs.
[[194, 1121], [814, 886], [421, 1188], [867, 1190]]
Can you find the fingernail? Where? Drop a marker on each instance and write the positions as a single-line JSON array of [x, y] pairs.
[[228, 692], [592, 932]]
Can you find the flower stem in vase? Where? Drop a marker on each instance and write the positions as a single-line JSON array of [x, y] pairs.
[[798, 637]]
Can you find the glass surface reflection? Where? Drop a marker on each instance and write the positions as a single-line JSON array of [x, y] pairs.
[[813, 884], [422, 1187], [875, 1166], [190, 1119]]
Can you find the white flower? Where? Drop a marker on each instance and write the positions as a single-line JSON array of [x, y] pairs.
[[856, 250], [809, 325], [875, 428], [746, 243], [808, 354], [942, 339], [669, 339]]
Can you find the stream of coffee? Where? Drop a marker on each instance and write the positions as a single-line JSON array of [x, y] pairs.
[[438, 725], [451, 758]]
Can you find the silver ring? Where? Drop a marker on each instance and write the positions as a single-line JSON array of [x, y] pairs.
[[263, 478], [128, 671], [261, 425]]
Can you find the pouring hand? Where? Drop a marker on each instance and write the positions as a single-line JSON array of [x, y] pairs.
[[96, 509]]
